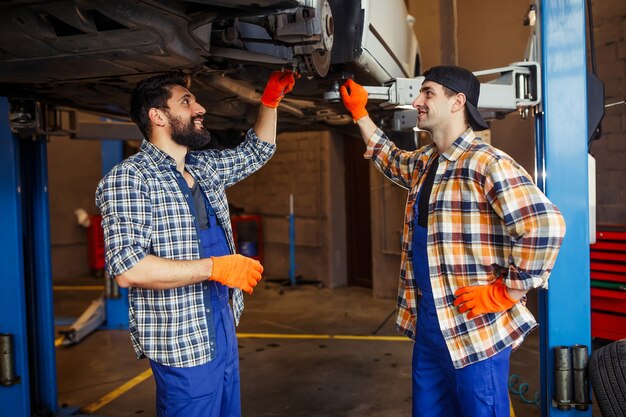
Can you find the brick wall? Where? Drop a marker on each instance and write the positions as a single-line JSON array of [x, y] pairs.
[[307, 165], [610, 150], [74, 170]]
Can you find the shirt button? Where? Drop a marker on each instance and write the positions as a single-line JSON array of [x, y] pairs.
[[208, 310], [205, 287], [186, 195]]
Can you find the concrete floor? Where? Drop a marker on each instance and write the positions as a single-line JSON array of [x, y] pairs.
[[295, 377]]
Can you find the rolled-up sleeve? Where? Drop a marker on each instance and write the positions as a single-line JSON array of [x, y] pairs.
[[124, 203], [535, 225], [233, 165], [394, 163]]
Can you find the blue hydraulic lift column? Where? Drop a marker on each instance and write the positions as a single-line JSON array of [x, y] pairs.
[[38, 271], [561, 131], [26, 306], [14, 397]]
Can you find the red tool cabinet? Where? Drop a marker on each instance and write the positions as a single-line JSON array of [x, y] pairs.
[[608, 283]]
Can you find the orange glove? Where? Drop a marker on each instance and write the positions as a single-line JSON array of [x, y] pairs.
[[237, 271], [482, 299], [279, 84], [355, 99]]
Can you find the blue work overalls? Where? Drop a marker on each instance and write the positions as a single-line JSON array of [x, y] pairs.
[[211, 389], [440, 390]]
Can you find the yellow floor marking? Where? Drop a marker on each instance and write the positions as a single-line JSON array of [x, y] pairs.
[[93, 407], [78, 287], [319, 336]]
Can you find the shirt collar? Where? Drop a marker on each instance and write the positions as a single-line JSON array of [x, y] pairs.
[[155, 154], [460, 145], [159, 157], [190, 159]]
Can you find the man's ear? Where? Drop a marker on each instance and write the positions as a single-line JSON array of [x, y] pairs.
[[459, 102], [157, 117]]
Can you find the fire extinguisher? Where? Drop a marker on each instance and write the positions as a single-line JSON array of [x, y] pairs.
[[95, 241]]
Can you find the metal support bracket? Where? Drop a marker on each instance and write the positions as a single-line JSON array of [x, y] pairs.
[[516, 87]]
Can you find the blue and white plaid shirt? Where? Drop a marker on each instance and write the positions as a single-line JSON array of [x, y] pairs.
[[145, 212]]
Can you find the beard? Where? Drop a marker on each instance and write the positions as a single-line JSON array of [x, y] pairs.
[[187, 134]]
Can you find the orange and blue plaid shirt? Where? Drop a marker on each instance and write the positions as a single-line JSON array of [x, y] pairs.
[[486, 219]]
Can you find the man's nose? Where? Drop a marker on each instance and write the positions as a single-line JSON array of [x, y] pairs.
[[199, 109], [417, 102]]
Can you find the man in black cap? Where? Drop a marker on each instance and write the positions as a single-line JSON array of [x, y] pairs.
[[478, 234]]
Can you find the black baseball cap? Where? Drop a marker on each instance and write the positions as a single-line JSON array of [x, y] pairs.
[[463, 81]]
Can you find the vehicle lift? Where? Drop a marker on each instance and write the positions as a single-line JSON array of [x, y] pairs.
[[554, 92]]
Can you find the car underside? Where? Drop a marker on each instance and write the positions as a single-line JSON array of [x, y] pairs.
[[89, 54]]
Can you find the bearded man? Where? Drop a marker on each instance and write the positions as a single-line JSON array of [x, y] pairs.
[[168, 238]]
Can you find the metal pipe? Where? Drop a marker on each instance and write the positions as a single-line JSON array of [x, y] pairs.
[[7, 360], [580, 358], [111, 289], [562, 377], [108, 286], [115, 289], [292, 243]]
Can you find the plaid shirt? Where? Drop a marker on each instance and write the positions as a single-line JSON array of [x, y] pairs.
[[145, 212], [486, 219]]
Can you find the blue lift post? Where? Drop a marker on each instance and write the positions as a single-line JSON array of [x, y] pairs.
[[15, 398], [561, 132], [38, 270], [26, 307], [28, 363]]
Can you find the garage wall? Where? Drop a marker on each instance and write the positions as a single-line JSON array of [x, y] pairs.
[[74, 170], [610, 151], [308, 165]]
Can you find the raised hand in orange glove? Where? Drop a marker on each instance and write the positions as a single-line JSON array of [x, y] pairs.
[[354, 97], [237, 271], [483, 299], [279, 84]]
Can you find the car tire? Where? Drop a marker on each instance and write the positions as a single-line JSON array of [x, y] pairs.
[[607, 369]]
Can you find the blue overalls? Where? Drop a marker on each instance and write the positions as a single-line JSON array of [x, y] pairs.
[[212, 389], [440, 390]]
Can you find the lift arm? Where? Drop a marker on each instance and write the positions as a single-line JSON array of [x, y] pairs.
[[515, 87]]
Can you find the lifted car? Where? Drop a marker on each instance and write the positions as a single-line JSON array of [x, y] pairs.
[[89, 54]]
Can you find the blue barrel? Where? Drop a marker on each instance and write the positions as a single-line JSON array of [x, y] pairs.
[[249, 249]]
